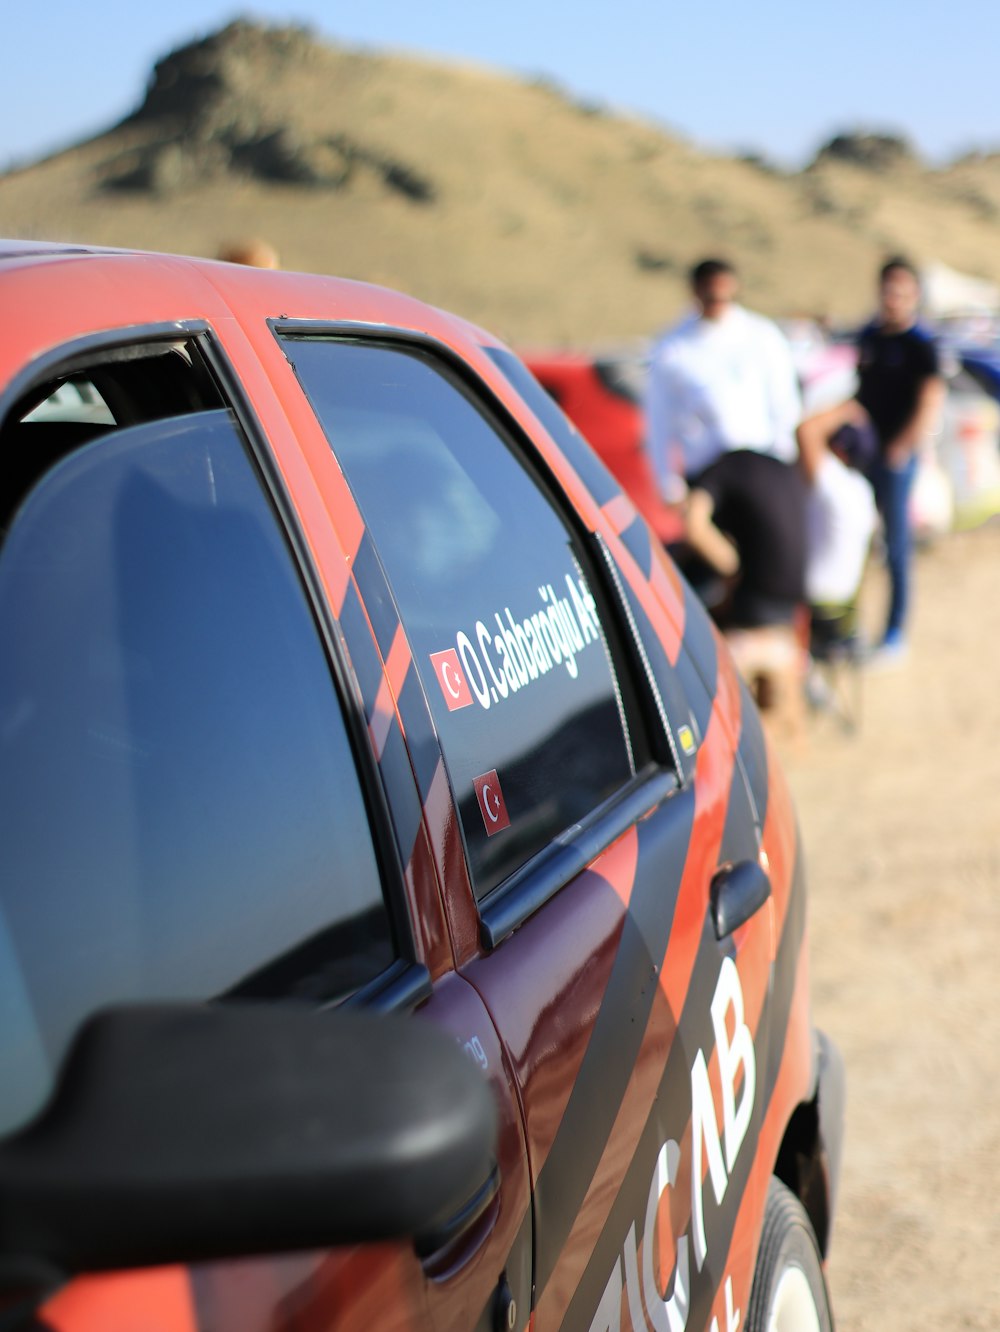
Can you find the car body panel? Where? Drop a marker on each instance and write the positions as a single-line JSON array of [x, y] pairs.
[[621, 1065]]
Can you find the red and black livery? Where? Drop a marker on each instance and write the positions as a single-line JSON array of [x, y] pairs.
[[636, 991]]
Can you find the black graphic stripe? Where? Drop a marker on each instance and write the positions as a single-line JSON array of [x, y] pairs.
[[698, 662], [739, 841], [699, 639], [404, 802], [361, 648], [786, 968], [378, 599], [741, 832], [618, 1030], [753, 755], [636, 539], [420, 737], [669, 1118]]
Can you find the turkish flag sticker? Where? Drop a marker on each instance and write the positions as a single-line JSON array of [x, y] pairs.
[[491, 802], [450, 677]]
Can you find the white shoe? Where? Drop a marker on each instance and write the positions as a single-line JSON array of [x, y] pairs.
[[888, 655]]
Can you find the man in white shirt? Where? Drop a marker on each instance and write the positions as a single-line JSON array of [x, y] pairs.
[[721, 379]]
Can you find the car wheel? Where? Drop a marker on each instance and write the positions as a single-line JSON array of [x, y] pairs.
[[789, 1291]]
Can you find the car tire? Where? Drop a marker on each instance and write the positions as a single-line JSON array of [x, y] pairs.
[[789, 1291]]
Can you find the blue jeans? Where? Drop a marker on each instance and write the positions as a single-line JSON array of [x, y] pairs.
[[892, 495]]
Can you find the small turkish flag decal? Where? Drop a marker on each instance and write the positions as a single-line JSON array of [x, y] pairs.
[[450, 677], [491, 802]]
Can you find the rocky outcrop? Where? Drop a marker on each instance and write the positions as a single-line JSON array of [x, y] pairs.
[[872, 152], [203, 118]]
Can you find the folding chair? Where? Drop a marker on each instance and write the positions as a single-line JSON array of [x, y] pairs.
[[770, 659], [836, 651]]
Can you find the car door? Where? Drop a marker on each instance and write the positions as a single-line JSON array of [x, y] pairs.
[[582, 797]]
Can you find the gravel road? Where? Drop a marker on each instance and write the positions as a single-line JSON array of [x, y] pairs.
[[902, 842]]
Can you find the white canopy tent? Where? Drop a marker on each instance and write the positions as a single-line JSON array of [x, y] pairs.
[[949, 294]]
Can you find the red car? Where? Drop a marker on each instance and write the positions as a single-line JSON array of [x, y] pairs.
[[403, 916], [602, 396]]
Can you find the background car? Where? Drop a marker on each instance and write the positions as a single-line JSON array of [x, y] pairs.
[[341, 679], [967, 447], [602, 395]]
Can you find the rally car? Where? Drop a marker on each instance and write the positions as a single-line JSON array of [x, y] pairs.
[[353, 724]]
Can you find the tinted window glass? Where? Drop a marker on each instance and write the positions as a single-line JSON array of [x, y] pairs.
[[179, 808], [492, 591]]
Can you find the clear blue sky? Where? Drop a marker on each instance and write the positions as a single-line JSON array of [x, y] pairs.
[[775, 76]]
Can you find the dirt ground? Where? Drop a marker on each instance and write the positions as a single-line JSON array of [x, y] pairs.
[[903, 851]]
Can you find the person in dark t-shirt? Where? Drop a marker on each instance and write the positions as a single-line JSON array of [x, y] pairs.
[[746, 515], [900, 387]]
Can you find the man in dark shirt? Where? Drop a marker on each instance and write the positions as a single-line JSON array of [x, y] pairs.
[[746, 515], [900, 387]]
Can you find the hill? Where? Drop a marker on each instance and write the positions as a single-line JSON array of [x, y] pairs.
[[545, 218]]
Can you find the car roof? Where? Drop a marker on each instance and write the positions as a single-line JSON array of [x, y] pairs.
[[65, 289], [215, 286], [340, 297]]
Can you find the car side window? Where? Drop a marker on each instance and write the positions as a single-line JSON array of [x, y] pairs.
[[493, 590], [180, 811]]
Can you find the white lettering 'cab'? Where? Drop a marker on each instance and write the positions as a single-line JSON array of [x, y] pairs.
[[720, 1149]]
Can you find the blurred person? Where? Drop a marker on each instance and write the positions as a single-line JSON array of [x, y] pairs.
[[745, 515], [901, 388], [254, 252], [722, 379], [836, 448]]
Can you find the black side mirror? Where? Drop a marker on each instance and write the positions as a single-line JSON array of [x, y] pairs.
[[190, 1132]]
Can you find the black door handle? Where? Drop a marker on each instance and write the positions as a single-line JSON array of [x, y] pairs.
[[737, 892]]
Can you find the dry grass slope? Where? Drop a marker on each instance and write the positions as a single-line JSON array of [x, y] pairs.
[[547, 219]]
